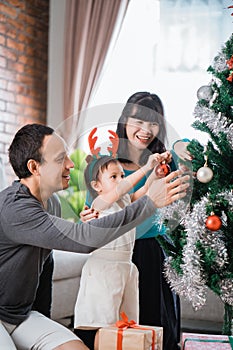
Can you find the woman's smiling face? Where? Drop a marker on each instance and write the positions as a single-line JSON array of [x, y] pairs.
[[141, 133]]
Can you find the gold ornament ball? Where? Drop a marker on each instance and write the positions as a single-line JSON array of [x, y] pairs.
[[204, 174]]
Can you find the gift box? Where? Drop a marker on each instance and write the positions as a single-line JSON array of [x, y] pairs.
[[132, 338], [196, 341], [127, 335]]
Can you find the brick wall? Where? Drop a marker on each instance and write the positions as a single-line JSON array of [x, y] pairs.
[[23, 67]]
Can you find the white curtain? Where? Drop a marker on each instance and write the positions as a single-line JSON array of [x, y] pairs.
[[90, 27]]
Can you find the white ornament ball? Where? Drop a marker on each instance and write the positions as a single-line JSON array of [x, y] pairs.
[[204, 174], [205, 93]]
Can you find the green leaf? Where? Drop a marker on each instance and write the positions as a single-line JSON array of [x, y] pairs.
[[73, 198], [77, 200], [78, 157], [67, 211]]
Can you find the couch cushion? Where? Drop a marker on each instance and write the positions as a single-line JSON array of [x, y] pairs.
[[64, 297], [68, 264]]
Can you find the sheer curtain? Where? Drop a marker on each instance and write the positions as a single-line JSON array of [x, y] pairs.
[[90, 27]]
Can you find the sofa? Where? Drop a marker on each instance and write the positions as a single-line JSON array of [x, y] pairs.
[[66, 280]]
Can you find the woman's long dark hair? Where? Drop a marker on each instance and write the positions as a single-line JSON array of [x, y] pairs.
[[147, 107]]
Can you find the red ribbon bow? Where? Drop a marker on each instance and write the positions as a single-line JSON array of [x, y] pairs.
[[124, 324]]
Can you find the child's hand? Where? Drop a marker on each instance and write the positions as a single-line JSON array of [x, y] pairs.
[[166, 157], [157, 158], [153, 160], [88, 214]]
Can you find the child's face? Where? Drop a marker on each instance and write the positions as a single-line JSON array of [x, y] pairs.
[[110, 178]]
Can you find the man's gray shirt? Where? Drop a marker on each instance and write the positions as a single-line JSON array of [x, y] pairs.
[[28, 233]]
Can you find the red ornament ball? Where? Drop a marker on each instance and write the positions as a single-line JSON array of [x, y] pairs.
[[162, 170], [213, 223]]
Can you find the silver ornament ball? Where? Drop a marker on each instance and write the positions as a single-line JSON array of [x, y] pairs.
[[205, 93], [204, 174]]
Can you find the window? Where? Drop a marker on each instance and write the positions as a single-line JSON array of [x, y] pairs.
[[165, 47]]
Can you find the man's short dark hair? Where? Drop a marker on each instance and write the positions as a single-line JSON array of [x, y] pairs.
[[27, 145]]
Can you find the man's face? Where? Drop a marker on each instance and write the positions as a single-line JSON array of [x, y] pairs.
[[56, 164]]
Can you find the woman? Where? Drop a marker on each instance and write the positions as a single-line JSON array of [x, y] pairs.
[[142, 131]]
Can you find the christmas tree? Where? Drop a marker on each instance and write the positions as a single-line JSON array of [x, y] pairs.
[[200, 247]]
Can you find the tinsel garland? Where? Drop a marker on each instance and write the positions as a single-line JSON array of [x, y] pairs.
[[216, 122], [226, 285], [227, 291], [172, 214], [192, 282]]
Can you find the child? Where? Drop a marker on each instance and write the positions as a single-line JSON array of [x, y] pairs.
[[109, 282]]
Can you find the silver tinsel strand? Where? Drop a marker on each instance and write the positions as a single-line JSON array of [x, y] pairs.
[[173, 214], [226, 286], [214, 241], [191, 283], [216, 122]]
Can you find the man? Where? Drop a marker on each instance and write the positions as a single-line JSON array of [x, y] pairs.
[[28, 233]]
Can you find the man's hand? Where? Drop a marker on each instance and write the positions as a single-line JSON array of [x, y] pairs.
[[165, 191]]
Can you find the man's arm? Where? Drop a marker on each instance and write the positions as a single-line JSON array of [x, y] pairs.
[[27, 223], [31, 225]]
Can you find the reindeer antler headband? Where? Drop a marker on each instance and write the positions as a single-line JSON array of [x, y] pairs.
[[96, 151]]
